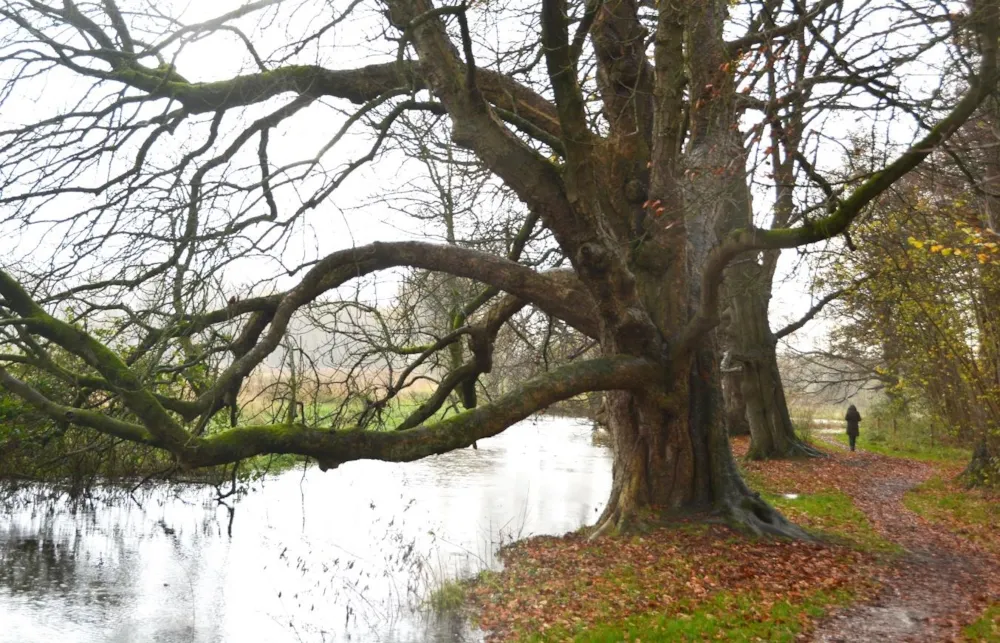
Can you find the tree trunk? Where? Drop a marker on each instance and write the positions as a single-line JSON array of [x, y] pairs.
[[771, 432], [735, 404], [983, 468], [672, 457], [672, 453]]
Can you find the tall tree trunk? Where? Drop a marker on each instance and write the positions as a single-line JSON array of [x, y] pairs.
[[735, 404], [984, 467], [672, 453], [772, 434]]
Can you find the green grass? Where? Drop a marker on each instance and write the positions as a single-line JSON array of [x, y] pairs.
[[448, 597], [905, 449], [832, 515], [333, 412], [987, 628], [392, 415], [973, 514], [726, 616], [935, 499]]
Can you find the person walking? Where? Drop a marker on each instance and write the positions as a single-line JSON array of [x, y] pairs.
[[853, 420]]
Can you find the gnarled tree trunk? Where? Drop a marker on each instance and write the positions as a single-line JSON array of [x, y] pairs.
[[672, 457]]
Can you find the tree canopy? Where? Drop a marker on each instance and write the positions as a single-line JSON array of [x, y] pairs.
[[624, 138]]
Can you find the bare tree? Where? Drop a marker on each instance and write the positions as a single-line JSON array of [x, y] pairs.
[[616, 124]]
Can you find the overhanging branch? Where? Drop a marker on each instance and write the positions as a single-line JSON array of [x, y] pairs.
[[332, 448]]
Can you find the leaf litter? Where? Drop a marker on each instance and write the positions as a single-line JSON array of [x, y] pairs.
[[557, 586]]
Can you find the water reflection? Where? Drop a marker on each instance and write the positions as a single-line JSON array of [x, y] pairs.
[[342, 556]]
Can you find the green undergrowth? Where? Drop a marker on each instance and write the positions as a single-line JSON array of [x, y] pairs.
[[449, 596], [972, 513], [833, 516], [886, 445], [727, 616], [986, 628]]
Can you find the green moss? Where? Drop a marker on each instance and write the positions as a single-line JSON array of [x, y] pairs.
[[987, 627], [726, 616]]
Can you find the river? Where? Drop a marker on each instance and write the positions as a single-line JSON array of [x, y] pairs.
[[346, 555]]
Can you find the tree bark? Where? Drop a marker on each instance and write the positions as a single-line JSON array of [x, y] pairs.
[[772, 434], [735, 404], [672, 457], [984, 467]]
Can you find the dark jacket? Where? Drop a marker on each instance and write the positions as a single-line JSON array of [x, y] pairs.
[[853, 418]]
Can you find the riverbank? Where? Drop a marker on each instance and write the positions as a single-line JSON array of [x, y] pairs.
[[862, 579]]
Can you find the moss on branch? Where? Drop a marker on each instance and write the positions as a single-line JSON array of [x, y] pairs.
[[332, 448]]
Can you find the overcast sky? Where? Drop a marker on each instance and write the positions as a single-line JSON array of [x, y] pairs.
[[350, 216]]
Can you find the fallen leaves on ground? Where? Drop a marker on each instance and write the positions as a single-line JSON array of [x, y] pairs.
[[973, 514], [943, 581], [554, 587], [571, 583]]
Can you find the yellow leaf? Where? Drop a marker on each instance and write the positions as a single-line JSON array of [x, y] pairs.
[[936, 247], [915, 243], [983, 258], [946, 251]]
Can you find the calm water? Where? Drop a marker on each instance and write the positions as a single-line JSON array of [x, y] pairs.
[[345, 555]]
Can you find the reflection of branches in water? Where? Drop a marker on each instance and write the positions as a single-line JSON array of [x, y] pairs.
[[43, 556]]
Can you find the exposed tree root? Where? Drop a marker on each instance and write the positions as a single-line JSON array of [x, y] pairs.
[[795, 449], [750, 514], [745, 512]]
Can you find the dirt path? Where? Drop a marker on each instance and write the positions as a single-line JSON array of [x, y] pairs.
[[940, 581]]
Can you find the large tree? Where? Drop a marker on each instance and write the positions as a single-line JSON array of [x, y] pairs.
[[618, 124]]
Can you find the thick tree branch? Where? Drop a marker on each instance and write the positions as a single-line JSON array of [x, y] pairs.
[[82, 417], [332, 448], [566, 302], [96, 355]]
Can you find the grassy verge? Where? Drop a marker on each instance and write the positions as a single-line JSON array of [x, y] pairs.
[[832, 515], [987, 628], [726, 616], [807, 492], [911, 450], [972, 513], [449, 596]]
